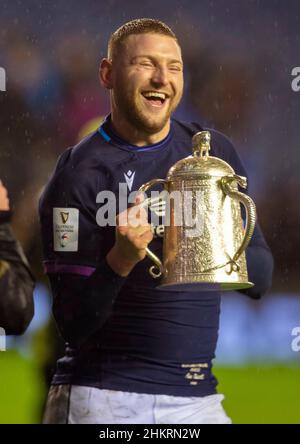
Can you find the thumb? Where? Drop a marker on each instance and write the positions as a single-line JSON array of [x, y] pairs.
[[139, 198]]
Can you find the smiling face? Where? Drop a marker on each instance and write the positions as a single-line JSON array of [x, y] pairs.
[[146, 82]]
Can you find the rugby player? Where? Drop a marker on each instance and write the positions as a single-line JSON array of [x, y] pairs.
[[134, 354]]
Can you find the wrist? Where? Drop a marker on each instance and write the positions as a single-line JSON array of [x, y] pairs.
[[118, 263]]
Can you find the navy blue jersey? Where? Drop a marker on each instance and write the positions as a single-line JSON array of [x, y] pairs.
[[123, 333]]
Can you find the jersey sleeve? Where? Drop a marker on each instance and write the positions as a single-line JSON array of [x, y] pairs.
[[83, 285], [71, 237], [258, 254]]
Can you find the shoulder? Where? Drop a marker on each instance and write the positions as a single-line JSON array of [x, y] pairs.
[[94, 151], [90, 153], [88, 163], [221, 145], [75, 173], [220, 142]]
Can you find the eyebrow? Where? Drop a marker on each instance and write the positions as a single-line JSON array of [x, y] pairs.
[[147, 56]]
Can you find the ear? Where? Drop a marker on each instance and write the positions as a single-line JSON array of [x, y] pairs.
[[105, 73]]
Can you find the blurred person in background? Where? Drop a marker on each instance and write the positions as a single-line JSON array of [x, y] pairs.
[[122, 346], [16, 279]]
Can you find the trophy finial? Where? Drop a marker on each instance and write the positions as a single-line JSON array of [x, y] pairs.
[[201, 143]]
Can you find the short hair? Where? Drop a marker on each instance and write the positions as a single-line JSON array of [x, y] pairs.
[[137, 26]]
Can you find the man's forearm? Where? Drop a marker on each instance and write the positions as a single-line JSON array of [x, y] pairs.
[[260, 270]]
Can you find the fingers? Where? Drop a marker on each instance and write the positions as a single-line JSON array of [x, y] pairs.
[[135, 232], [135, 216], [139, 198], [4, 201], [146, 238], [141, 239]]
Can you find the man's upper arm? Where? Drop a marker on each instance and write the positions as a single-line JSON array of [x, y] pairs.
[[83, 285]]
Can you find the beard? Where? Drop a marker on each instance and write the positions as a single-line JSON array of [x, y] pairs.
[[131, 106]]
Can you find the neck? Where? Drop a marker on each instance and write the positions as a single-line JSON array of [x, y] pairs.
[[134, 136]]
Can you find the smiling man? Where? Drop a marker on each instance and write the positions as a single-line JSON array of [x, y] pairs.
[[133, 354]]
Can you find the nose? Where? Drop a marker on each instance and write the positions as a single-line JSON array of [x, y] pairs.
[[160, 76]]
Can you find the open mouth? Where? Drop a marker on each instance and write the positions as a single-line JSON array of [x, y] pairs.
[[154, 98]]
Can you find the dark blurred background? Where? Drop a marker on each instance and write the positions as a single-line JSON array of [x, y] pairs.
[[238, 59]]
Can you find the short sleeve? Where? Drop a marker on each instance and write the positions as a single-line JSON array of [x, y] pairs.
[[72, 240]]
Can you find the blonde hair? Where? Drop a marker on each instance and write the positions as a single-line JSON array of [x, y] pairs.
[[137, 26]]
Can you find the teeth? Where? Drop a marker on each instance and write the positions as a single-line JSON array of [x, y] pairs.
[[155, 94]]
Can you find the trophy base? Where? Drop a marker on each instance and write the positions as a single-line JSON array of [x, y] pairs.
[[205, 286]]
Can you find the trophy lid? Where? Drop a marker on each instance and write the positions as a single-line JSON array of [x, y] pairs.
[[200, 164]]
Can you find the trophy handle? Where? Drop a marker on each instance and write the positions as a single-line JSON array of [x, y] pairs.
[[250, 211], [155, 270]]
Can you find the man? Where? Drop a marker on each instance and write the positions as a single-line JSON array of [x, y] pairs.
[[16, 280], [129, 347]]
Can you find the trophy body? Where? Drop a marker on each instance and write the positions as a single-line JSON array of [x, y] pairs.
[[204, 238]]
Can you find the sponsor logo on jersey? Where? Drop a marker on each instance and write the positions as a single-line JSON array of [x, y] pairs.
[[65, 229], [64, 217]]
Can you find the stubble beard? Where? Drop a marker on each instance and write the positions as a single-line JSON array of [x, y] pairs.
[[138, 117]]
